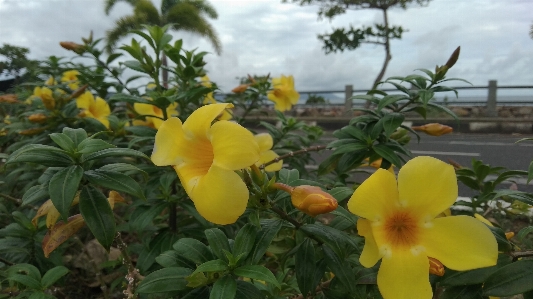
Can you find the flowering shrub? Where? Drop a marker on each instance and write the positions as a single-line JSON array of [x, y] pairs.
[[163, 190]]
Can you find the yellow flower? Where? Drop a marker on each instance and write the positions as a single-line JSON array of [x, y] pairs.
[[266, 153], [45, 94], [209, 99], [283, 94], [434, 129], [399, 225], [50, 81], [94, 108], [147, 109], [205, 157], [71, 77]]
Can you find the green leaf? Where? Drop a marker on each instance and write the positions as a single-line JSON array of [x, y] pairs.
[[134, 65], [35, 193], [112, 57], [26, 269], [463, 292], [523, 233], [257, 272], [530, 172], [391, 122], [387, 154], [244, 241], [304, 261], [342, 270], [171, 258], [264, 238], [471, 277], [63, 187], [511, 279], [89, 146], [98, 215], [52, 275], [341, 193], [224, 288], [390, 99], [212, 266], [499, 234], [113, 152], [143, 131], [122, 167], [335, 239], [193, 250], [41, 154], [246, 290], [122, 97], [23, 220], [26, 280], [164, 280], [218, 242], [63, 141], [287, 176], [115, 181], [518, 195], [76, 135], [443, 109]]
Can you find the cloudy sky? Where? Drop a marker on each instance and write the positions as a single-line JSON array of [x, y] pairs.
[[266, 36]]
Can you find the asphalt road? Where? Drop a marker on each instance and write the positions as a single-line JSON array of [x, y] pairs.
[[493, 149]]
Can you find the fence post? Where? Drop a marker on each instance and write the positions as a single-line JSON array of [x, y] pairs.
[[348, 93], [492, 99]]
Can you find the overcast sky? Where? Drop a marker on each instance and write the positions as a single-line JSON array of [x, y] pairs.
[[266, 36]]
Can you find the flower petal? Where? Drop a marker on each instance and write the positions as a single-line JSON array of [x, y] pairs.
[[144, 109], [268, 156], [404, 276], [370, 255], [200, 120], [234, 147], [101, 107], [460, 243], [428, 185], [375, 197], [167, 142], [265, 141], [85, 100], [220, 196]]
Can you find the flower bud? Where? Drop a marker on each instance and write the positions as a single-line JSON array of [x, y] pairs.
[[433, 129], [37, 118], [509, 235], [241, 88], [435, 267], [78, 92], [72, 46], [312, 200], [8, 98], [49, 102], [31, 132]]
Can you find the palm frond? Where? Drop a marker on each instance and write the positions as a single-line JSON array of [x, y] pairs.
[[147, 12], [187, 17], [122, 27], [108, 5]]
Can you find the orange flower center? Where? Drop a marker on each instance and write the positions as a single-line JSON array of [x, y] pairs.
[[202, 158], [401, 230], [158, 111]]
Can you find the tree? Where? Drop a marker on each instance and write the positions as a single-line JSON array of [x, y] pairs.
[[350, 39], [187, 15], [15, 63]]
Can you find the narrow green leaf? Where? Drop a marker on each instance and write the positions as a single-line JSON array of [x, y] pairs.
[[341, 193], [244, 241], [98, 215], [90, 145], [340, 268], [53, 275], [304, 260], [524, 232], [224, 288], [246, 290], [113, 152], [41, 154], [257, 272], [34, 194], [63, 141], [463, 292], [122, 97], [26, 280], [530, 172], [134, 65], [123, 168], [193, 250], [63, 187], [218, 242], [335, 239], [171, 258], [115, 181], [264, 238], [509, 280], [76, 135], [112, 57], [212, 266], [391, 122], [164, 280], [472, 277], [387, 154]]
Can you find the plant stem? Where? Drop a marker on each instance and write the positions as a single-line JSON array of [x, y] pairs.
[[315, 148], [286, 217], [172, 216], [133, 274]]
